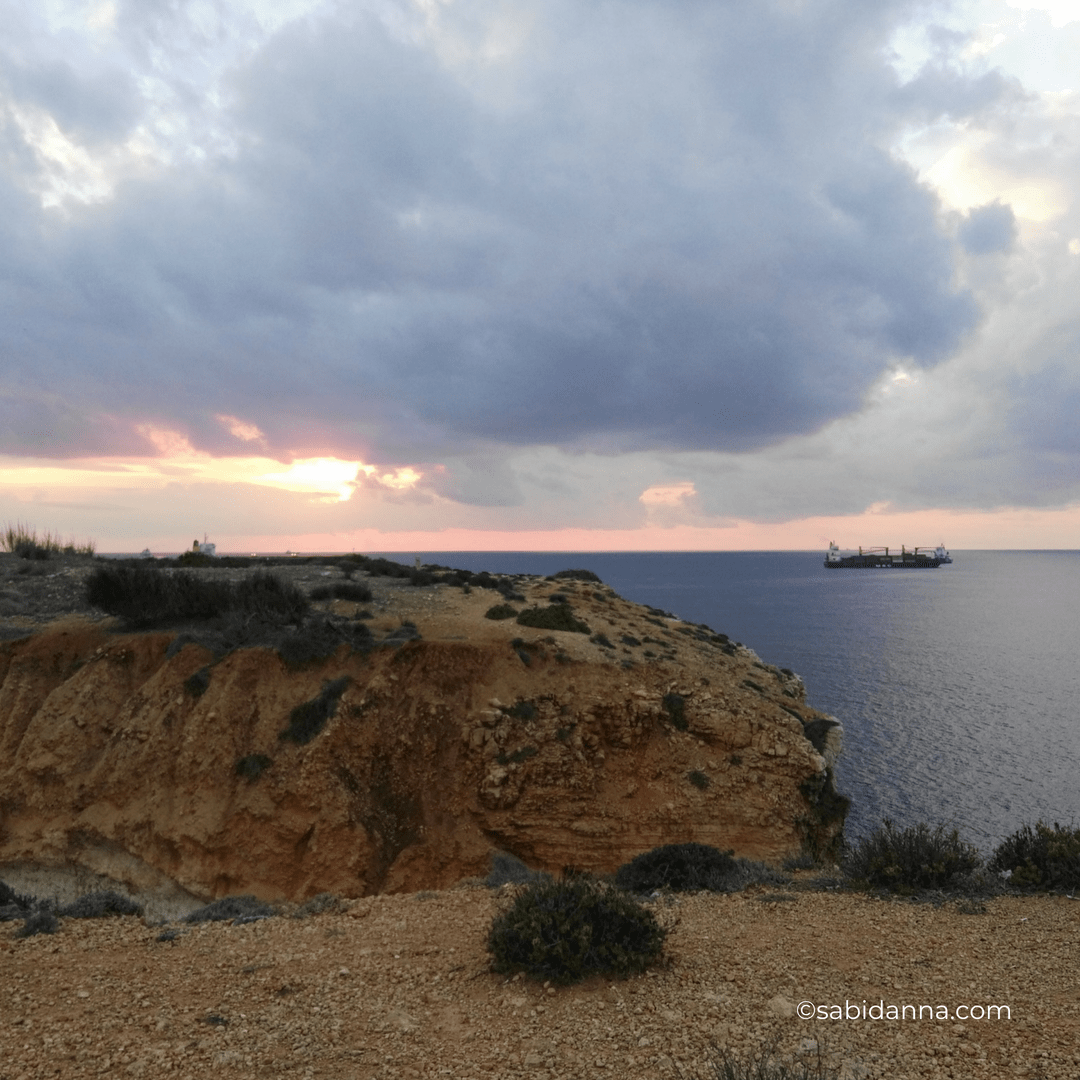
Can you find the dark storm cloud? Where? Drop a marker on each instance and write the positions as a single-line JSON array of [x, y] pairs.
[[646, 225]]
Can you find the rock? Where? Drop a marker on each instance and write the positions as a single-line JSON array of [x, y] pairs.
[[781, 1006]]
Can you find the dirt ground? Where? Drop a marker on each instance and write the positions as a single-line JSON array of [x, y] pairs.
[[400, 986]]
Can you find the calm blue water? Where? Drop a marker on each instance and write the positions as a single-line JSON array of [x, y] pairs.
[[958, 688]]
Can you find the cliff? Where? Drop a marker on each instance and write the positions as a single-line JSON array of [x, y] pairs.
[[402, 768]]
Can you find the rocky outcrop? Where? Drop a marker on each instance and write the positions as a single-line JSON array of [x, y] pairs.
[[409, 764]]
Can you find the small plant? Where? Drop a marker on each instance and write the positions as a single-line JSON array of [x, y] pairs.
[[308, 719], [675, 707], [565, 931], [319, 638], [522, 710], [198, 682], [500, 611], [101, 905], [553, 617], [1040, 858], [735, 760], [699, 779], [43, 921], [238, 908], [908, 860], [252, 766], [602, 640]]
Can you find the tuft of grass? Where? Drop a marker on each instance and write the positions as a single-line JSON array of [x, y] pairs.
[[553, 617], [146, 596], [910, 860], [22, 540], [565, 931], [1040, 858], [699, 779], [309, 718]]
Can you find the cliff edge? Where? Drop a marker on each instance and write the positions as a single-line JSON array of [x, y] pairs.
[[402, 767]]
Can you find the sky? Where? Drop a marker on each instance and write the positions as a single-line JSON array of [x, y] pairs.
[[438, 275]]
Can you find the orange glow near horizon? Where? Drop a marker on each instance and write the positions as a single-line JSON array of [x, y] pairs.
[[1003, 529]]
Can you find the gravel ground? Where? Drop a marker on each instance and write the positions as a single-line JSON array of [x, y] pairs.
[[399, 986]]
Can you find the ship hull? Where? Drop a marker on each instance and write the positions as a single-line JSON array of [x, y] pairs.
[[883, 562]]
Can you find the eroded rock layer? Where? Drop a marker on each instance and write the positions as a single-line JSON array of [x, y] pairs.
[[564, 748]]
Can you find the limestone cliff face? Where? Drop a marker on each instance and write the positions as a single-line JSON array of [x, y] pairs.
[[479, 736]]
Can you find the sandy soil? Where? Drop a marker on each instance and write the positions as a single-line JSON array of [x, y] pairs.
[[399, 986]]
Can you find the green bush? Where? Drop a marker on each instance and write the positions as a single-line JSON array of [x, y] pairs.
[[147, 596], [319, 638], [553, 617], [908, 860], [566, 931], [308, 719], [699, 779], [1040, 858], [680, 867], [43, 921], [500, 611]]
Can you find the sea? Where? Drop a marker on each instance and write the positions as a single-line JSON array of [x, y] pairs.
[[958, 688]]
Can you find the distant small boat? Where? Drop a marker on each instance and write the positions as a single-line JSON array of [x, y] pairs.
[[882, 558], [941, 554]]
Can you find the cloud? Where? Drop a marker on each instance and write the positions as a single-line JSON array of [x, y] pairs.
[[988, 229], [667, 227]]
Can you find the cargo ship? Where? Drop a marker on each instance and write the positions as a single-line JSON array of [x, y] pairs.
[[873, 558]]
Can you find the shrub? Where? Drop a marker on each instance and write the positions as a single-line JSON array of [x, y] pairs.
[[569, 930], [342, 590], [252, 766], [101, 905], [907, 860], [308, 719], [553, 617], [12, 905], [43, 921], [699, 779], [240, 908], [1041, 857], [198, 682], [522, 710], [319, 638], [675, 707], [147, 596], [500, 611], [576, 575], [680, 867]]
